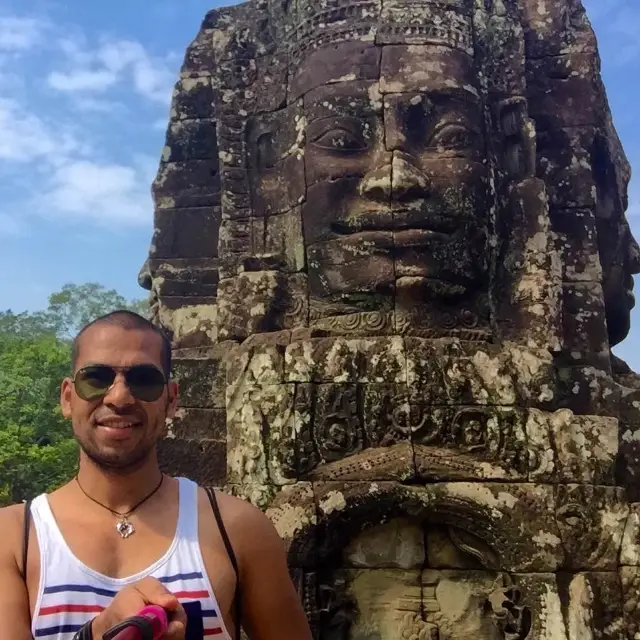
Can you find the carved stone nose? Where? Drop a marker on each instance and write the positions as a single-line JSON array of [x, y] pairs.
[[399, 181], [144, 276], [407, 181], [634, 257]]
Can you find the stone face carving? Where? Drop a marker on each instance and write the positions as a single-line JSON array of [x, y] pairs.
[[391, 249]]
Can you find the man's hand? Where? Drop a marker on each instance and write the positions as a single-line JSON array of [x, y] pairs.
[[133, 598]]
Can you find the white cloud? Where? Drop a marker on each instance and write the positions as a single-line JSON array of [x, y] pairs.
[[111, 63], [82, 80], [27, 137], [19, 34], [101, 193]]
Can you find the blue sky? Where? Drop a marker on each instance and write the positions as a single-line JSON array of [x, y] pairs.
[[84, 100]]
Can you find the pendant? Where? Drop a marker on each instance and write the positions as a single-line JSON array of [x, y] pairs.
[[125, 528]]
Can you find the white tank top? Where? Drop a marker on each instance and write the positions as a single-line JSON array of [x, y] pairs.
[[70, 593]]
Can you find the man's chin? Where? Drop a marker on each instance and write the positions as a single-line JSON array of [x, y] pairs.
[[111, 459]]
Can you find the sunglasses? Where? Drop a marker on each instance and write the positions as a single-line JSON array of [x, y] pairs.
[[145, 381]]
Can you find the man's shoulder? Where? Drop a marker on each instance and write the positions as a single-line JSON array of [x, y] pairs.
[[244, 522], [235, 511], [11, 525]]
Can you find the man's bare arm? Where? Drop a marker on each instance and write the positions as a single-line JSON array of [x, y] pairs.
[[15, 618], [272, 609]]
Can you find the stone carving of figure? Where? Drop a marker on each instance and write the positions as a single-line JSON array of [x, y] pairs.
[[391, 249]]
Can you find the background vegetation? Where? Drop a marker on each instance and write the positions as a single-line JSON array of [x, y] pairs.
[[37, 450]]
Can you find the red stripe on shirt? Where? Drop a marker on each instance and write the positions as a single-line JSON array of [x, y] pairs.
[[71, 608], [192, 594], [212, 632]]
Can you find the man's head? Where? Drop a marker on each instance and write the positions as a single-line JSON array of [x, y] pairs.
[[120, 394]]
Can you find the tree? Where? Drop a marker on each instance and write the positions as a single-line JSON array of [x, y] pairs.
[[76, 305], [37, 449]]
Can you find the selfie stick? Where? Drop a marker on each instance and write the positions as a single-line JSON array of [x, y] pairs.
[[155, 615]]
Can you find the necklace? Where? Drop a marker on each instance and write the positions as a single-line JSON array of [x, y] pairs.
[[124, 527]]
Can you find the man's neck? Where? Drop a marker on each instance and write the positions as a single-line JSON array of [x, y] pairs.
[[119, 490]]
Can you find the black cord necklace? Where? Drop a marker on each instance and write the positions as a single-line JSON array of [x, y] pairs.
[[124, 527]]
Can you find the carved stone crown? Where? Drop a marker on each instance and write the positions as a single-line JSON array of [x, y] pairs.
[[312, 23]]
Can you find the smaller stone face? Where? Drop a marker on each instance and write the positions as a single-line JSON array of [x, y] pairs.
[[397, 545]]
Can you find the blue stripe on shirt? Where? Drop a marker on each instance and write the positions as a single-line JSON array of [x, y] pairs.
[[181, 576], [80, 588], [53, 631]]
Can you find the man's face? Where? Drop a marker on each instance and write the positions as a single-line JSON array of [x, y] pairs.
[[396, 179], [118, 431]]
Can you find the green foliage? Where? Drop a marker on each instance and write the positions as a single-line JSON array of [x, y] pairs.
[[37, 450], [77, 305]]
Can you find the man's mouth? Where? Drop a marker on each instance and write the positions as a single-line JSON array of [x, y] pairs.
[[118, 424]]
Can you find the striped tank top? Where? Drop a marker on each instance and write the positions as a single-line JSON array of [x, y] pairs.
[[70, 593]]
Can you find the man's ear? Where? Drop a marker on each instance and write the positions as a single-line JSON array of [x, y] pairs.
[[173, 398], [66, 390], [518, 134]]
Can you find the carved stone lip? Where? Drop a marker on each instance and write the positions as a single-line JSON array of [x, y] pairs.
[[408, 238], [404, 223]]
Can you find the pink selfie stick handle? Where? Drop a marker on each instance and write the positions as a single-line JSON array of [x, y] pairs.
[[158, 618]]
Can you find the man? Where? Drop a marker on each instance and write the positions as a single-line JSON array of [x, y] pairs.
[[121, 534]]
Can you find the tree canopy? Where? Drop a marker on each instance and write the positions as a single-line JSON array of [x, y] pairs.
[[37, 450]]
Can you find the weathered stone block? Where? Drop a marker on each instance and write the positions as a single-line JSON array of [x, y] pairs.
[[565, 165], [396, 545], [192, 321], [404, 68], [186, 233], [630, 550], [203, 461], [577, 244], [191, 140], [250, 303], [261, 435], [387, 414], [339, 359], [630, 578], [180, 185], [202, 379], [564, 91], [293, 513], [584, 323], [599, 515], [355, 61], [284, 238], [193, 99], [452, 372], [199, 424], [389, 601]]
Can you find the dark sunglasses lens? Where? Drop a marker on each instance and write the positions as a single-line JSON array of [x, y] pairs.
[[93, 382], [146, 382]]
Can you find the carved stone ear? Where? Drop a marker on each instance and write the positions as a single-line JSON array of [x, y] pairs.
[[518, 135]]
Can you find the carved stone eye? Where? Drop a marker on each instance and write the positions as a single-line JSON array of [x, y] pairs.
[[452, 136], [340, 140], [571, 515], [266, 151]]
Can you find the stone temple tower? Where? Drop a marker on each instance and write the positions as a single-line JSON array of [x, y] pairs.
[[391, 248]]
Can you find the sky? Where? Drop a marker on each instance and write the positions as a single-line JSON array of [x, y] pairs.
[[85, 90]]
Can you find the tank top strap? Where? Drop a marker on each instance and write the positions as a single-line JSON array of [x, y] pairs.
[[45, 524], [188, 512]]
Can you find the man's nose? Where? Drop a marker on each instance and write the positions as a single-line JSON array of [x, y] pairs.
[[398, 181], [119, 394]]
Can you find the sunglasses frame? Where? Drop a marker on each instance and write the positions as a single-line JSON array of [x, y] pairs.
[[115, 371]]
